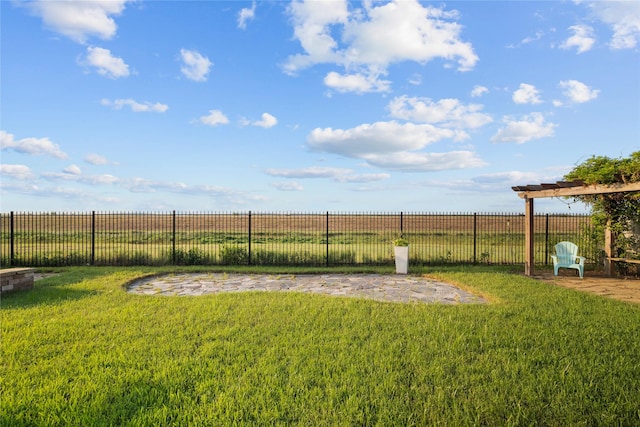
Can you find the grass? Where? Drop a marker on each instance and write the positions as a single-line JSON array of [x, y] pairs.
[[78, 350]]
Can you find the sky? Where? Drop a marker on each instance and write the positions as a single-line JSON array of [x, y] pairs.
[[310, 106]]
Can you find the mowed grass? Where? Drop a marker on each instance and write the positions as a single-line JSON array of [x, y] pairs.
[[78, 350]]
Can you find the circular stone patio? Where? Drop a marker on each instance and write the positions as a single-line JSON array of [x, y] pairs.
[[378, 287]]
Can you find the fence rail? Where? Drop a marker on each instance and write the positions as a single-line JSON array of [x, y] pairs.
[[249, 238]]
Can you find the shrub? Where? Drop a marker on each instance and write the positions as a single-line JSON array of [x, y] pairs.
[[234, 255]]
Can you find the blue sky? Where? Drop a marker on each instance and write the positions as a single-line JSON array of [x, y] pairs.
[[310, 106]]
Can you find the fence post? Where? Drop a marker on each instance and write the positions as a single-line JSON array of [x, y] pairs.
[[327, 240], [12, 237], [401, 226], [173, 239], [249, 255], [93, 237], [475, 238]]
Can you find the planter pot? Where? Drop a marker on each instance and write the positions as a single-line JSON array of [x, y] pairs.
[[402, 259]]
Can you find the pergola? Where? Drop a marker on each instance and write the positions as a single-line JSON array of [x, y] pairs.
[[564, 189]]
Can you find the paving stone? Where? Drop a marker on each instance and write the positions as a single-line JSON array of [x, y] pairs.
[[373, 286]]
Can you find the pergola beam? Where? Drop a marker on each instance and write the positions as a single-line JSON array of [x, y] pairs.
[[576, 191]]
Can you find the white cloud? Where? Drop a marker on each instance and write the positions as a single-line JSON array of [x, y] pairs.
[[526, 94], [415, 79], [288, 186], [446, 112], [479, 91], [73, 170], [582, 38], [135, 106], [624, 19], [79, 20], [20, 172], [373, 37], [312, 21], [310, 172], [362, 178], [195, 66], [268, 121], [336, 174], [73, 173], [532, 126], [394, 146], [246, 14], [426, 162], [107, 65], [510, 177], [358, 83], [578, 92], [531, 39], [96, 159], [378, 138], [215, 117], [32, 146], [56, 192]]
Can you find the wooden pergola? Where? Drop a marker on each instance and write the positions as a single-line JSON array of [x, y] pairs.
[[564, 189]]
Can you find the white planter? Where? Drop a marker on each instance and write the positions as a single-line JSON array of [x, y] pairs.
[[402, 259]]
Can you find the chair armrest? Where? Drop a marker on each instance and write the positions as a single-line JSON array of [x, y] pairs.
[[581, 259]]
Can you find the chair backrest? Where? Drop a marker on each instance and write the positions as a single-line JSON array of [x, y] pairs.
[[566, 252]]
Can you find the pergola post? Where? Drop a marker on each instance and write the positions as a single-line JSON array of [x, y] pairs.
[[528, 236], [608, 249]]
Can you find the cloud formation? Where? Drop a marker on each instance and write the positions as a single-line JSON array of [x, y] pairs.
[[135, 106], [32, 146], [288, 186], [624, 19], [526, 94], [529, 127], [372, 38], [478, 91], [582, 38], [79, 20], [96, 159], [215, 118], [267, 121], [578, 92], [106, 64], [392, 145], [246, 14], [335, 174], [449, 113], [19, 172], [195, 66]]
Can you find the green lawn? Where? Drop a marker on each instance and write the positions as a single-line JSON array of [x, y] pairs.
[[79, 351]]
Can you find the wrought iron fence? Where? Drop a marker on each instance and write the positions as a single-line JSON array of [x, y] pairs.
[[313, 239]]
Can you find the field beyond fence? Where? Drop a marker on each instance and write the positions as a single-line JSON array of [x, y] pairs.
[[306, 239]]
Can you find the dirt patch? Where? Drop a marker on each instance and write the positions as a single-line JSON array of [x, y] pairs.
[[620, 288]]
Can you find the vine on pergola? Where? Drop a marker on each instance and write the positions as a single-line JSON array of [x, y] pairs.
[[622, 209]]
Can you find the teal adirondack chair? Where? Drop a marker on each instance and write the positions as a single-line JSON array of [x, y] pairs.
[[566, 257]]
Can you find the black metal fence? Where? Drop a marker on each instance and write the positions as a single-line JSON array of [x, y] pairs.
[[313, 239]]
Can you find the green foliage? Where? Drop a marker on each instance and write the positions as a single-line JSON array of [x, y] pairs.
[[605, 170], [401, 242], [78, 350], [234, 255], [622, 209], [192, 256]]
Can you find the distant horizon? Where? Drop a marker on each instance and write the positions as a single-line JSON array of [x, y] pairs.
[[308, 106]]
